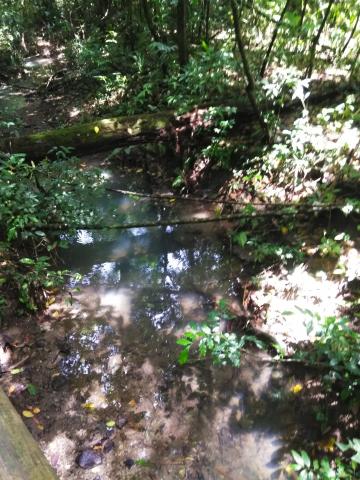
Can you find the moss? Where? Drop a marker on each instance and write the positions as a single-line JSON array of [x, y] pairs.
[[91, 135]]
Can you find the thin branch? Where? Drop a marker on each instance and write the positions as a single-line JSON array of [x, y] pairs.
[[250, 88], [316, 39], [166, 196], [351, 34], [165, 223], [273, 38]]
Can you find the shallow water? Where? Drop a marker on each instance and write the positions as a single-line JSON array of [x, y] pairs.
[[138, 290]]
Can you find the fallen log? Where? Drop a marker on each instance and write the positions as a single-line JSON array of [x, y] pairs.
[[20, 456], [94, 136], [104, 134]]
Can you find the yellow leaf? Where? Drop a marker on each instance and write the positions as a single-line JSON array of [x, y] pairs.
[[139, 170], [132, 403], [296, 388], [328, 445], [88, 406], [284, 230], [36, 410], [50, 301], [40, 426], [96, 129], [27, 414]]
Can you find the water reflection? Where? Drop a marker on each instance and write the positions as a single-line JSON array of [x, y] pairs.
[[139, 289]]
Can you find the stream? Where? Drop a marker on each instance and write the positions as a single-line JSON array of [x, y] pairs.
[[113, 357]]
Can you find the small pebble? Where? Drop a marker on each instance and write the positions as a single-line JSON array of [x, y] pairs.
[[129, 462], [121, 422], [58, 382], [89, 459], [108, 445]]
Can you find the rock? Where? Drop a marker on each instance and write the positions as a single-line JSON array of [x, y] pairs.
[[58, 382], [63, 347], [129, 462], [89, 459], [108, 445], [121, 422]]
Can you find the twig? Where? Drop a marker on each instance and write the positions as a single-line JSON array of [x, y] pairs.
[[16, 365]]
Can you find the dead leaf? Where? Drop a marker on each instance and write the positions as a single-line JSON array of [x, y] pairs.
[[12, 389]]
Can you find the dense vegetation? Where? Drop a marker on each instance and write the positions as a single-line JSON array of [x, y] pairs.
[[244, 72]]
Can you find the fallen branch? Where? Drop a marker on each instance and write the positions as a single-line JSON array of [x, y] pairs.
[[162, 223], [170, 196]]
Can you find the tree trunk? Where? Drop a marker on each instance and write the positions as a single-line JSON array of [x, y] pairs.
[[316, 39], [149, 20], [250, 88], [273, 38], [181, 34], [207, 21]]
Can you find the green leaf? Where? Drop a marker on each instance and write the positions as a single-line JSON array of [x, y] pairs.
[[184, 356], [306, 458], [32, 389], [27, 261], [356, 458], [183, 341], [298, 458]]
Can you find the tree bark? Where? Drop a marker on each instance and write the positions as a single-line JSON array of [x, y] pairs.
[[250, 88], [181, 34], [149, 20], [316, 39], [273, 38]]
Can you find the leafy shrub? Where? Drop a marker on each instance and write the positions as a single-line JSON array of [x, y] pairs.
[[210, 337], [34, 197]]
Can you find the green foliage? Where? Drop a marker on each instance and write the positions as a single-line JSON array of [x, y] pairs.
[[325, 469], [210, 338], [332, 246], [337, 347], [33, 197]]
